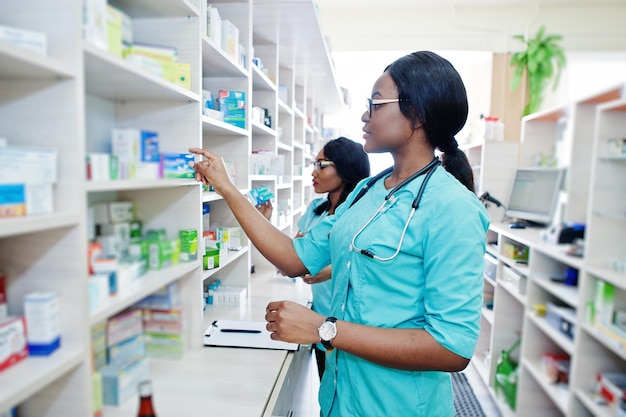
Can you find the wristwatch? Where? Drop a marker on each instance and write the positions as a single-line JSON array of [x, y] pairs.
[[328, 331]]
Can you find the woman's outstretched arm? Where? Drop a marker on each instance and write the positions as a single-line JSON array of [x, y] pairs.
[[273, 244]]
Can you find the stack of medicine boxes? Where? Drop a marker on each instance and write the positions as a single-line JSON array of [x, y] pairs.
[[126, 363], [163, 323], [27, 179]]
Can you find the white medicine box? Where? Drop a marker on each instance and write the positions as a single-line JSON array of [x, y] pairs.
[[43, 324]]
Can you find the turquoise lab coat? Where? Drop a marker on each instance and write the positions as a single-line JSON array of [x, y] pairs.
[[435, 283], [321, 290]]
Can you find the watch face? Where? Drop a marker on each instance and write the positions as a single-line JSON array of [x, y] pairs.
[[327, 331]]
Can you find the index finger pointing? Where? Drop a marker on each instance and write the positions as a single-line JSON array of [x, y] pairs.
[[200, 151]]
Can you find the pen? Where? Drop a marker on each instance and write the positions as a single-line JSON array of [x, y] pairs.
[[239, 331]]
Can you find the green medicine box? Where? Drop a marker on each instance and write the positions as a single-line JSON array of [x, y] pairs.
[[211, 258]]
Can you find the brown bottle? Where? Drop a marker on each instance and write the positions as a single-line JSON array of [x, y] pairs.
[[145, 400]]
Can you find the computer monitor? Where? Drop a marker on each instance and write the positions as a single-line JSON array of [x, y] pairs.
[[534, 196]]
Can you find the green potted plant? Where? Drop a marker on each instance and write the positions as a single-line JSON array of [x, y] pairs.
[[542, 60]]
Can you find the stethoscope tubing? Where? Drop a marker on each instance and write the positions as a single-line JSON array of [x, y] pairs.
[[429, 170]]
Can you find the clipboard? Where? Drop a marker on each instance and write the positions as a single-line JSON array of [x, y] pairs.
[[245, 334]]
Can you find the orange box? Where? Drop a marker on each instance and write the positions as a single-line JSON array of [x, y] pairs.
[[515, 252]]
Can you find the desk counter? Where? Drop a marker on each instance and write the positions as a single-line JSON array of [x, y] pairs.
[[225, 382]]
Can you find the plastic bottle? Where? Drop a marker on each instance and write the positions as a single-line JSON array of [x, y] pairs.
[[146, 409]]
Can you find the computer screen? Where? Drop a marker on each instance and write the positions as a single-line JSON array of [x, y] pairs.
[[534, 194]]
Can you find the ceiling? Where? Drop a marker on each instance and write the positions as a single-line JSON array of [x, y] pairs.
[[484, 25]]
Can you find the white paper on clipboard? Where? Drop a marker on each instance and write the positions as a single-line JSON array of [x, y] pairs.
[[249, 334]]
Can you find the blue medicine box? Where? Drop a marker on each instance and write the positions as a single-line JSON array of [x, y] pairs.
[[233, 106], [176, 165]]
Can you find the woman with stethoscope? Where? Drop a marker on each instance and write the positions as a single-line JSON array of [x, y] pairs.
[[406, 250]]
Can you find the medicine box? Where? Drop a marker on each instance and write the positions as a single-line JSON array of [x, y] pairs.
[[119, 383], [127, 351], [229, 296], [562, 318], [4, 312], [178, 73], [230, 39], [124, 326], [612, 386], [34, 41], [28, 165], [43, 321], [114, 18], [12, 200], [162, 345], [604, 302], [188, 245], [211, 258], [135, 145], [491, 265], [114, 212], [102, 166], [156, 52], [233, 105], [13, 346], [161, 253], [515, 252], [163, 321], [166, 298], [514, 279], [96, 393], [176, 165], [120, 232], [214, 25], [99, 345], [556, 367], [95, 22]]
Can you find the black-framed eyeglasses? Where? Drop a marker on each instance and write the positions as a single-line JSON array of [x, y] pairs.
[[375, 103], [319, 165]]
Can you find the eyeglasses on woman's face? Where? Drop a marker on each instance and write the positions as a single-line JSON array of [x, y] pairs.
[[372, 104], [319, 165]]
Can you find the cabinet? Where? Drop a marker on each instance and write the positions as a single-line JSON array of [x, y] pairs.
[[494, 168], [71, 98], [517, 292]]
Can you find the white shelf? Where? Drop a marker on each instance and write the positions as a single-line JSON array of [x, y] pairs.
[[559, 393], [35, 372], [109, 76], [18, 63], [216, 63], [119, 185], [141, 288], [39, 223], [214, 126], [148, 8], [230, 258]]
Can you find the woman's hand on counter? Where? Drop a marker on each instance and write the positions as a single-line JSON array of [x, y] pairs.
[[292, 322]]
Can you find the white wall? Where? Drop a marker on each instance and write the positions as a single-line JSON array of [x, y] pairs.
[[585, 74], [357, 71]]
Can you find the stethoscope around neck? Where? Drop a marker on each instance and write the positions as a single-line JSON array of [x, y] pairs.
[[428, 169]]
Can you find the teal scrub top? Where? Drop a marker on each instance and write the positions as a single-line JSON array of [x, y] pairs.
[[434, 283], [322, 290]]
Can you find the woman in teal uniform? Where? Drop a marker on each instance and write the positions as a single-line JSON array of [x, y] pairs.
[[407, 252]]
